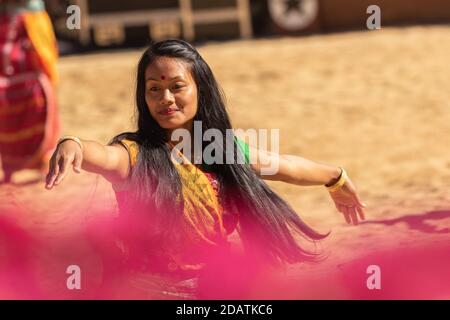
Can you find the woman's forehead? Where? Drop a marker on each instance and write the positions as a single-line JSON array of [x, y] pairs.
[[165, 68]]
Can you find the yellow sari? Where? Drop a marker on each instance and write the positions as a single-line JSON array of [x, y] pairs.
[[202, 229], [202, 210]]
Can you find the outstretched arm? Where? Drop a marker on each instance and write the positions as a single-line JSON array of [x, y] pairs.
[[112, 162], [301, 171]]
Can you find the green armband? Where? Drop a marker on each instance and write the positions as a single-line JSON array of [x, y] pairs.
[[245, 149]]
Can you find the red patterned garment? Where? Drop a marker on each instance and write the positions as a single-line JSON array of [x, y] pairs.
[[29, 124]]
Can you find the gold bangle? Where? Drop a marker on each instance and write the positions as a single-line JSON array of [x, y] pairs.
[[73, 138], [340, 182]]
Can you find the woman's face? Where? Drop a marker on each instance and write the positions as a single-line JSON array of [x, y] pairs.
[[171, 93]]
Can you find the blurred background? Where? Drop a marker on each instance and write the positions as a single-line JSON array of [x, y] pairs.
[[375, 102], [132, 23]]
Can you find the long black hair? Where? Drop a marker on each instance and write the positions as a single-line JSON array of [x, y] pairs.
[[266, 223]]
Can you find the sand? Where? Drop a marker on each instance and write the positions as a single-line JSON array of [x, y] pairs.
[[377, 103]]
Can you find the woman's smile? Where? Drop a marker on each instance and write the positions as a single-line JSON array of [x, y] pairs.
[[168, 112]]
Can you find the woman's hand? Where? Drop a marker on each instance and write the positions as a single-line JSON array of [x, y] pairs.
[[68, 154], [348, 202]]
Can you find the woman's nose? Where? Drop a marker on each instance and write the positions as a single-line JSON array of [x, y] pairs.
[[167, 97]]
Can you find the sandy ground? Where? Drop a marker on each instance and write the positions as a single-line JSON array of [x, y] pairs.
[[377, 103]]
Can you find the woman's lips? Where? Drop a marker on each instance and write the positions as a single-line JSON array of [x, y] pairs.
[[168, 112]]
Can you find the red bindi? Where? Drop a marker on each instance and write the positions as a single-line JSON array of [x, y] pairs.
[[163, 77]]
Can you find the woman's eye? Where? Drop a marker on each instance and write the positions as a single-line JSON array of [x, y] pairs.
[[153, 89], [178, 86]]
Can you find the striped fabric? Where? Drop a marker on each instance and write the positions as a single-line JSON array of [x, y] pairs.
[[29, 125]]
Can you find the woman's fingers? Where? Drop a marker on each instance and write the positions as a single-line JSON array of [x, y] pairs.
[[53, 171], [77, 162], [344, 211], [358, 207], [50, 170], [64, 164], [348, 202], [63, 158], [353, 215], [361, 213]]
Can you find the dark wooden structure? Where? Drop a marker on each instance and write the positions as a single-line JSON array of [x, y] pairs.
[[111, 22]]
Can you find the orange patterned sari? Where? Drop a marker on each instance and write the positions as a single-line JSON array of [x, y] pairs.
[[29, 124]]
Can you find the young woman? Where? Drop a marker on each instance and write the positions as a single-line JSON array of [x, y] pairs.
[[180, 213]]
